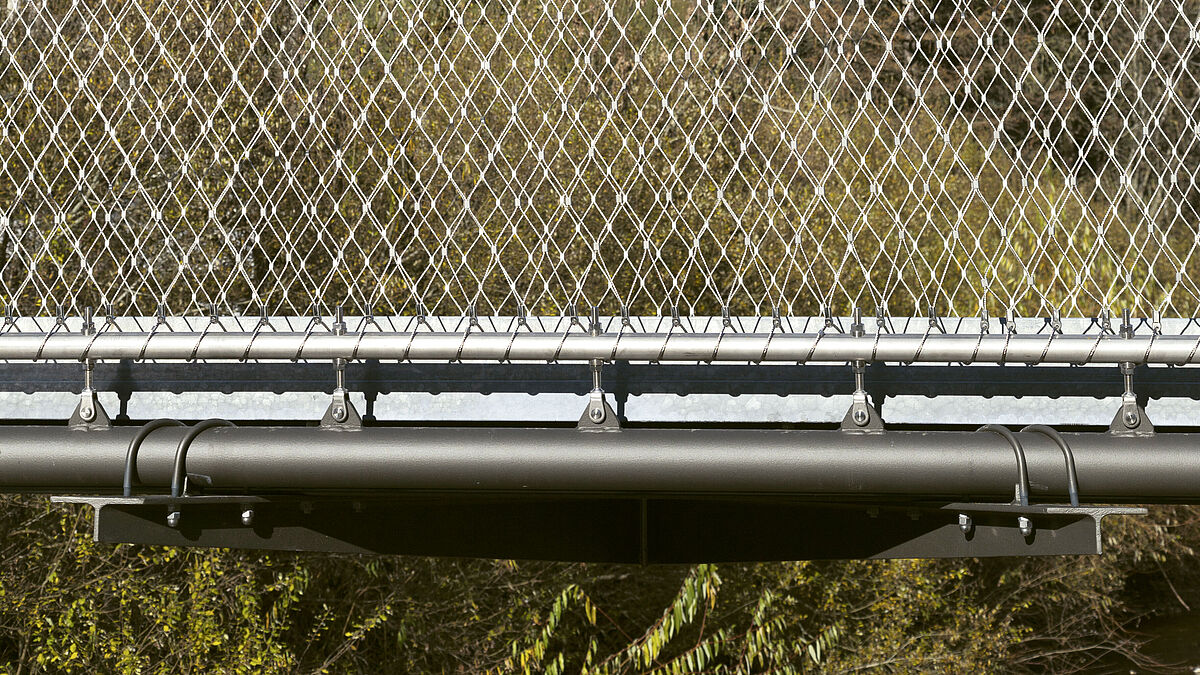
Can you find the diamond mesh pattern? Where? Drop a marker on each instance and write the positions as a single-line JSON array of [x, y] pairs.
[[743, 153]]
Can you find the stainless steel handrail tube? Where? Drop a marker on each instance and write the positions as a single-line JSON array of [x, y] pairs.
[[898, 465], [780, 347]]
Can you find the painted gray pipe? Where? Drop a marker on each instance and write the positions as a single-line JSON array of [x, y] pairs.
[[894, 465], [802, 347]]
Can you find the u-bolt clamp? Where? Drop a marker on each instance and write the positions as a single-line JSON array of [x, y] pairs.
[[135, 445], [1024, 524], [179, 474], [1068, 456]]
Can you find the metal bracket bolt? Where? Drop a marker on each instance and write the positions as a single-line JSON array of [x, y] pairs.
[[860, 413], [596, 401], [598, 412], [88, 413], [1025, 525], [340, 409], [860, 406], [1131, 416], [861, 417], [596, 407], [1129, 407]]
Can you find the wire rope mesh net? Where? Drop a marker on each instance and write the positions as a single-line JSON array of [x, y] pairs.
[[749, 154]]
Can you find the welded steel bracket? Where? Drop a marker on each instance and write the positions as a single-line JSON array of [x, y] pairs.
[[861, 417], [623, 528], [341, 413], [89, 414], [599, 415], [1131, 419]]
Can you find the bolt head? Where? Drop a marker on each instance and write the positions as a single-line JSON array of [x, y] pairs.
[[248, 517], [1131, 418], [173, 519], [1025, 525], [87, 413], [596, 415], [860, 417], [965, 523], [339, 413]]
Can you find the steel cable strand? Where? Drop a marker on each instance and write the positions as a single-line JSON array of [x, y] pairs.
[[562, 341], [775, 325], [57, 325], [1195, 345], [262, 321], [471, 323], [362, 331], [512, 338], [207, 327], [412, 336], [920, 346], [88, 349], [162, 321], [725, 324], [1045, 350], [313, 322], [1008, 335], [813, 349], [666, 340], [612, 355]]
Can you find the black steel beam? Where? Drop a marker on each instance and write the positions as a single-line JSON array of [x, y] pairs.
[[621, 379]]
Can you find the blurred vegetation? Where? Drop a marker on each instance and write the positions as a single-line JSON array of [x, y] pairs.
[[645, 154], [70, 605]]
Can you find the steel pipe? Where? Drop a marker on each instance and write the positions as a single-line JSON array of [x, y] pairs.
[[785, 347], [901, 465]]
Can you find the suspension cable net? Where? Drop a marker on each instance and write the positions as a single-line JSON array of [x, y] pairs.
[[411, 157]]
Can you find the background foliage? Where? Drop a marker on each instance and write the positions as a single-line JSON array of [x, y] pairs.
[[70, 605]]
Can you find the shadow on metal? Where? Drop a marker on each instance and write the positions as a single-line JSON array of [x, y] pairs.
[[608, 529]]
